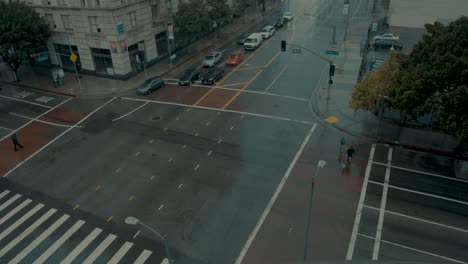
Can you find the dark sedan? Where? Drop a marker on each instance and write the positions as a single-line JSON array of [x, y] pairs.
[[212, 75], [151, 84], [189, 76], [242, 38], [280, 22]]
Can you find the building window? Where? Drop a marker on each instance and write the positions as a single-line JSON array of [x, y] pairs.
[[93, 26], [66, 22], [102, 61], [50, 20], [154, 12], [133, 19]]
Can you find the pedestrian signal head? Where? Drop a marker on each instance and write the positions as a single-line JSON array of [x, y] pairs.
[[283, 45]]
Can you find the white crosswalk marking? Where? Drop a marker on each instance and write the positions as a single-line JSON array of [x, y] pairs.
[[27, 232], [104, 244], [143, 257], [39, 239], [122, 251], [5, 192], [14, 211], [10, 201], [81, 246], [20, 221], [59, 242]]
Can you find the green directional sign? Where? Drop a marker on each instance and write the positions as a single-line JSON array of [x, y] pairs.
[[332, 52]]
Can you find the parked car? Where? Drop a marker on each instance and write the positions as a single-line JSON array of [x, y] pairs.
[[280, 22], [211, 75], [235, 58], [253, 41], [387, 36], [150, 85], [386, 44], [267, 32], [189, 76], [211, 59], [288, 16], [242, 38]]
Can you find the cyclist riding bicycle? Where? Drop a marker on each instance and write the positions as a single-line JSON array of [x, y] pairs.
[[350, 151]]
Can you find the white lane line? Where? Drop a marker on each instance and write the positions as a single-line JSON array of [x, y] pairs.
[[209, 153], [161, 207], [222, 110], [220, 140], [357, 219], [421, 193], [83, 244], [39, 116], [14, 211], [273, 82], [419, 219], [10, 201], [165, 261], [57, 138], [196, 134], [5, 192], [137, 233], [25, 217], [143, 257], [131, 112], [41, 121], [422, 172], [231, 128], [98, 251], [180, 186], [170, 160], [26, 232], [273, 198], [417, 250], [119, 254], [383, 203], [196, 168], [24, 101], [6, 128], [59, 242], [39, 239]]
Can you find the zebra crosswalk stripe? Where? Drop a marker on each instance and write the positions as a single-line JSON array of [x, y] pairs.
[[39, 239], [5, 192], [59, 242], [104, 244], [10, 201], [81, 246], [14, 211], [20, 221], [119, 254], [143, 257]]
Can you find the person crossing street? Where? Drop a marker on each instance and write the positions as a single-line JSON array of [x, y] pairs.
[[14, 138]]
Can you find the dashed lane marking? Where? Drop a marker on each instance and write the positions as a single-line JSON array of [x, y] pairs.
[[165, 129], [184, 146], [209, 153], [161, 207], [138, 153], [180, 186], [220, 140], [152, 177], [137, 233], [196, 134], [76, 207], [170, 160], [118, 170], [231, 128], [110, 218], [196, 168], [131, 197], [98, 187], [151, 141]]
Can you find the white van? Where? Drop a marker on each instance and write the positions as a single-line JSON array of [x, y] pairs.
[[253, 41]]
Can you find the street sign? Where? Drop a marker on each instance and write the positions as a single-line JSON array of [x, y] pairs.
[[332, 52], [345, 9], [374, 63], [73, 57], [120, 27], [170, 29], [296, 50], [141, 46]]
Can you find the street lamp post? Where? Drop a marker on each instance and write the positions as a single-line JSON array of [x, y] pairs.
[[74, 62], [320, 164], [134, 221]]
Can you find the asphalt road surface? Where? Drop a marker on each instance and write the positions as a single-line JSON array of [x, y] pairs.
[[225, 171]]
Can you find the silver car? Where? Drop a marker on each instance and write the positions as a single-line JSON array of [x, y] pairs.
[[150, 85], [212, 58]]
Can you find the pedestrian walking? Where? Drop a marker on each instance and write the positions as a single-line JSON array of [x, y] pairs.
[[350, 152], [14, 138], [342, 143]]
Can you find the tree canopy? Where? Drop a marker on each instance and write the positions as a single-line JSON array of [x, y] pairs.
[[433, 78], [22, 32], [191, 20]]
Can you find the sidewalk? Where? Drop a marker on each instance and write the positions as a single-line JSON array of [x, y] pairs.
[[336, 110], [93, 86]]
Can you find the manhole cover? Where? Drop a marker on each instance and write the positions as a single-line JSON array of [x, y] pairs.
[[156, 118]]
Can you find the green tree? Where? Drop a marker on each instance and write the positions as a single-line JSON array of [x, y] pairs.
[[434, 78], [191, 21], [219, 11], [381, 82], [240, 6], [22, 33]]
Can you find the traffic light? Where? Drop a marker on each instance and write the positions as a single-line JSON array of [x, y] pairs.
[[332, 70], [283, 45]]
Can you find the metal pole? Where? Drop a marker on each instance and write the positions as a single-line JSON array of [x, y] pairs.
[[334, 34], [380, 118], [163, 238], [74, 63], [309, 209]]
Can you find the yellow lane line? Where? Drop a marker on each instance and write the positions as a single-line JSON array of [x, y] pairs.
[[76, 207], [138, 153], [131, 197], [249, 68], [184, 146], [99, 187], [232, 72], [110, 218], [152, 177], [250, 81], [118, 170]]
